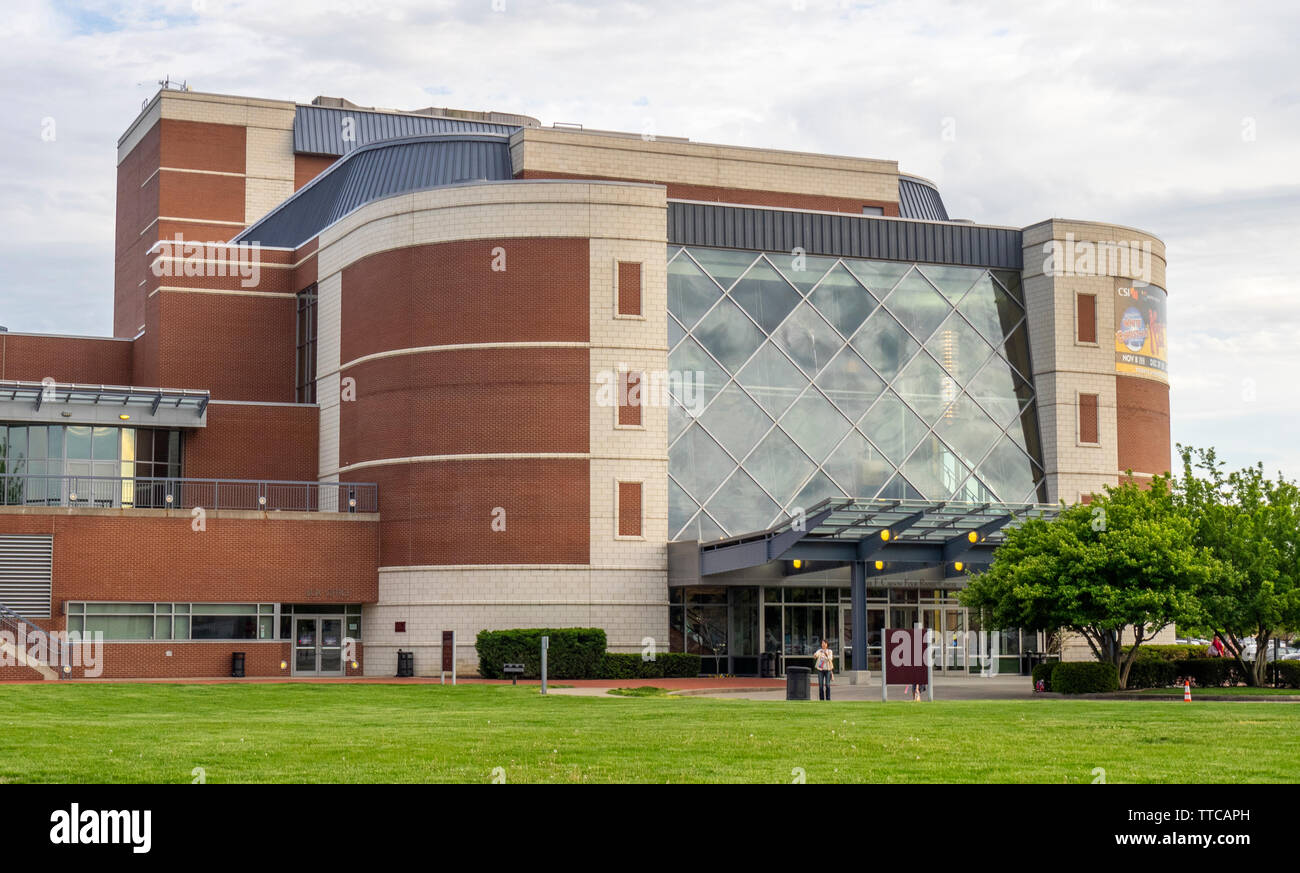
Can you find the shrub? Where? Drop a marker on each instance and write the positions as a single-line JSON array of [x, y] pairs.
[[672, 665], [574, 653], [1208, 672], [1043, 671], [1179, 652], [1084, 677], [1153, 672], [1285, 673]]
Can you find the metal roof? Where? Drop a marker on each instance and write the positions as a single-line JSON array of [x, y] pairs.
[[849, 236], [319, 130], [73, 403], [914, 532], [376, 171], [919, 198]]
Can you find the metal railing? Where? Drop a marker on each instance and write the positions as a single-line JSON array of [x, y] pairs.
[[139, 492], [25, 633]]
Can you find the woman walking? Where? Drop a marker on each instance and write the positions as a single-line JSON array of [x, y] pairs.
[[825, 669]]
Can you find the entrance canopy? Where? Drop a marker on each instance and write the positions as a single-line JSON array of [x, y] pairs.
[[899, 534]]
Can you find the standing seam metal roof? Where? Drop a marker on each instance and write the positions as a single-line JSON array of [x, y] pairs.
[[319, 130], [376, 171], [920, 199]]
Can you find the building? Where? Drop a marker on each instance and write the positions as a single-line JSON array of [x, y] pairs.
[[384, 374]]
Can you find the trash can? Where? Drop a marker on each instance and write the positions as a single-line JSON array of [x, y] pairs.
[[796, 682], [237, 665], [405, 664]]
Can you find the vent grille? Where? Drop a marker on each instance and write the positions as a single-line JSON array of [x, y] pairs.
[[26, 570]]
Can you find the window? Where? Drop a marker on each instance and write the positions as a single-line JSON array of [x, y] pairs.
[[629, 400], [629, 509], [1088, 430], [629, 288], [84, 465], [873, 210], [173, 621], [1086, 318], [305, 361]]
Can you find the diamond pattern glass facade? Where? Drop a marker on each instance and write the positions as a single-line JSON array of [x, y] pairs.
[[822, 377]]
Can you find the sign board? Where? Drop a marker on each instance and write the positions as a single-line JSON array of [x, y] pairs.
[[448, 651], [1141, 336], [906, 658]]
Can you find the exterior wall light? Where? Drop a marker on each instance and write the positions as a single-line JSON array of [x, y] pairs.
[[973, 537], [124, 417], [72, 495], [354, 665], [797, 563], [957, 566], [261, 501], [352, 503], [284, 665], [880, 565], [169, 498], [884, 534]]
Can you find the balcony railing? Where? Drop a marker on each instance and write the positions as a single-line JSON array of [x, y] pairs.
[[154, 493]]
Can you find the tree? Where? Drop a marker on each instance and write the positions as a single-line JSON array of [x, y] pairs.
[[1251, 525], [1125, 561]]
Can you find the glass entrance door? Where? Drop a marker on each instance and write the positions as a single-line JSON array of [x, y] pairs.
[[317, 645]]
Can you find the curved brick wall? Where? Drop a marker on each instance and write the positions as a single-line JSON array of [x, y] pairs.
[[1142, 425]]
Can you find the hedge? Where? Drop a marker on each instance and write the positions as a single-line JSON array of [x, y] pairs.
[[1179, 652], [1043, 671], [574, 653], [1208, 672], [1285, 673], [1153, 672], [671, 665], [1084, 677]]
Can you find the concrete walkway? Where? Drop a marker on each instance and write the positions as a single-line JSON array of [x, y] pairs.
[[945, 688]]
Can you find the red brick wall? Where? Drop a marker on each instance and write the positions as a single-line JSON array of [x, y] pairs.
[[136, 207], [441, 512], [65, 359], [747, 196], [1142, 414], [145, 555], [188, 660], [255, 442], [448, 293], [308, 167]]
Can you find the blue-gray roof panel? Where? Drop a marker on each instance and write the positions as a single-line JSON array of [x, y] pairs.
[[325, 130]]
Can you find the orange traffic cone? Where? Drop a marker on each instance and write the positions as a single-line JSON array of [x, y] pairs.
[[1187, 691]]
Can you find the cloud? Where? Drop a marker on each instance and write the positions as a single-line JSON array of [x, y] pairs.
[[1181, 119]]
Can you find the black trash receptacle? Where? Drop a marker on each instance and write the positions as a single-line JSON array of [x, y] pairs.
[[405, 664], [237, 664], [796, 682]]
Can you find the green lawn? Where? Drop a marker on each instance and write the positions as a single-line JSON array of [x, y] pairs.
[[426, 733], [1234, 691]]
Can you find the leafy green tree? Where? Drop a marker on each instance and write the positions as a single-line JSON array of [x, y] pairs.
[[1126, 561], [1251, 525]]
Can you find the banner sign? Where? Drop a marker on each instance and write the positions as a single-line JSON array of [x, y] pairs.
[[1141, 338], [906, 656]]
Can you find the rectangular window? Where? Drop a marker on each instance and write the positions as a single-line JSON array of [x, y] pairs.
[[629, 288], [629, 509], [873, 210], [1086, 318], [629, 400], [178, 621], [1088, 430], [305, 362]]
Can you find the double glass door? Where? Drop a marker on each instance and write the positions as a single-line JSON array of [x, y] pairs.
[[317, 645]]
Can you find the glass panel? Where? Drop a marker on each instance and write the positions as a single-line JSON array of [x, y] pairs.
[[724, 265], [779, 466], [706, 629], [1026, 433], [698, 463], [266, 627], [37, 442], [803, 629], [850, 384], [935, 470], [925, 387], [728, 334], [858, 467], [804, 271], [900, 489], [879, 276], [162, 628], [966, 428], [999, 391], [808, 339], [952, 281], [772, 634], [675, 332], [305, 660], [844, 302], [736, 421], [18, 445], [1016, 348], [120, 608], [223, 627], [743, 639], [884, 344], [76, 624], [306, 634], [959, 348], [975, 491], [819, 488], [121, 627], [706, 529], [991, 310], [56, 442], [765, 296], [690, 291], [772, 379], [677, 419], [1011, 282], [893, 427], [698, 377], [181, 627], [917, 305], [105, 445], [331, 632], [1008, 471], [680, 507], [225, 609], [741, 506], [815, 425]]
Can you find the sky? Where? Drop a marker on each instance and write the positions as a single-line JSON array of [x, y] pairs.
[[1182, 119]]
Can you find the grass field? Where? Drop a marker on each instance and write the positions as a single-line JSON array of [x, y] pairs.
[[427, 733], [1231, 691]]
